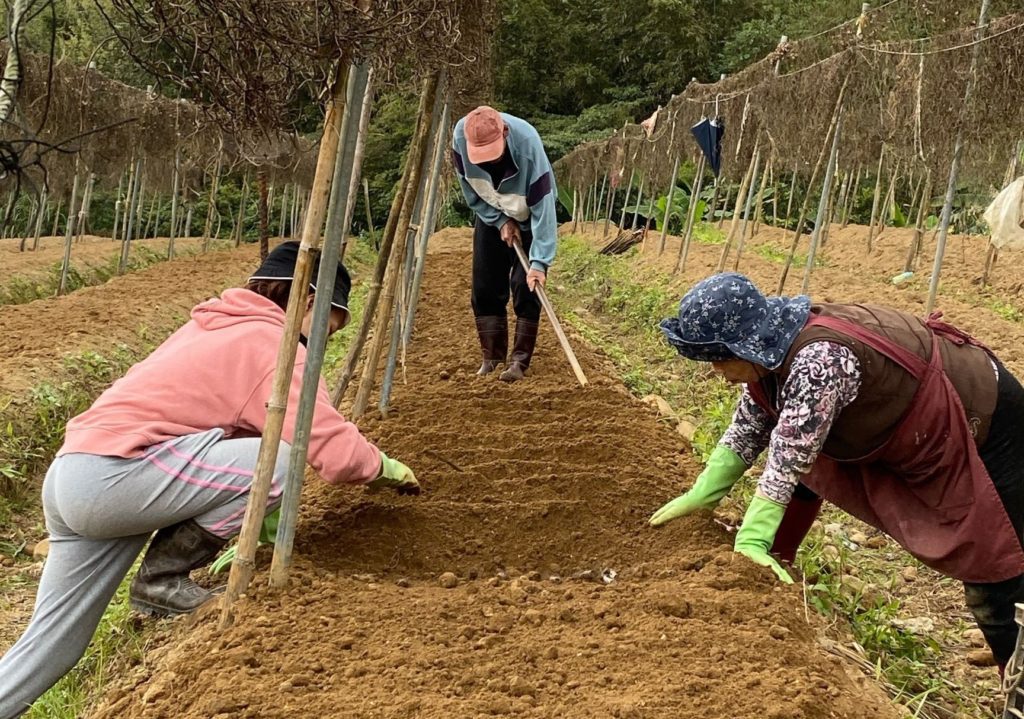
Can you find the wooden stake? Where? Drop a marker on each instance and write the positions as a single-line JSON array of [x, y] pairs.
[[83, 213], [691, 216], [281, 226], [68, 235], [741, 196], [822, 217], [243, 567], [175, 192], [39, 219], [264, 210], [759, 201], [625, 203], [211, 205], [851, 196], [668, 205], [954, 166], [369, 214], [747, 208], [922, 217], [239, 228], [387, 304], [877, 200], [639, 201], [792, 192], [798, 231], [609, 209], [132, 211]]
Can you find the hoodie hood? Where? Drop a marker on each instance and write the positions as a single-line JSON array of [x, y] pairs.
[[235, 306]]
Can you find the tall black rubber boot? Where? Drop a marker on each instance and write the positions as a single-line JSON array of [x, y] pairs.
[[493, 333], [163, 586], [522, 350]]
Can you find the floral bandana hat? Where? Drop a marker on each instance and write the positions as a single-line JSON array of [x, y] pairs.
[[726, 317]]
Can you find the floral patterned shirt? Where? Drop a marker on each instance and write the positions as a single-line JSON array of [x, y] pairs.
[[824, 378]]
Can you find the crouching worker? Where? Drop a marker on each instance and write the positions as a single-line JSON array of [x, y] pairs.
[[171, 448], [909, 425]]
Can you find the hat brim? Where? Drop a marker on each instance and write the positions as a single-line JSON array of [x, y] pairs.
[[337, 301], [486, 153]]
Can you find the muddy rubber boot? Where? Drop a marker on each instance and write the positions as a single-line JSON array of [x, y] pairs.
[[162, 586], [522, 350], [493, 333]]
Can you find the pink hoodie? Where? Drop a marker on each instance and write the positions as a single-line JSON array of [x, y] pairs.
[[217, 371]]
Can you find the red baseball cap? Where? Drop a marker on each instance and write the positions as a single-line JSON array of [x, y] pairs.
[[485, 135]]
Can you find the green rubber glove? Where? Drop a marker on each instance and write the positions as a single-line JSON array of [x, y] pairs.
[[395, 475], [723, 470], [268, 535], [755, 536]]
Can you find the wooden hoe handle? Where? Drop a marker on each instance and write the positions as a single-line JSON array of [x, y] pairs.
[[546, 304]]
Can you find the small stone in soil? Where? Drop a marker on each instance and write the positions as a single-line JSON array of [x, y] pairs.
[[909, 574], [448, 580], [981, 658], [402, 582], [778, 632]]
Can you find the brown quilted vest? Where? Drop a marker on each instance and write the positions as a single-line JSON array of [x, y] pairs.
[[887, 390]]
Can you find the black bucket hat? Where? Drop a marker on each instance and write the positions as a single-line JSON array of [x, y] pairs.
[[280, 265]]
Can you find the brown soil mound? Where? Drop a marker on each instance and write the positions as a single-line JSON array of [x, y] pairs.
[[532, 492], [35, 337]]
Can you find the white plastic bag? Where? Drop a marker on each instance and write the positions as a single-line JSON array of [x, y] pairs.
[[1005, 216]]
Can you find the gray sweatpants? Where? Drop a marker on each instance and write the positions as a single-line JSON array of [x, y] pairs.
[[100, 512]]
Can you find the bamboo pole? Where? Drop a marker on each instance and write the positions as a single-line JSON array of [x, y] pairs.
[[691, 216], [990, 263], [83, 213], [385, 311], [822, 217], [68, 235], [751, 193], [922, 217], [850, 198], [355, 349], [211, 204], [36, 209], [427, 226], [725, 206], [357, 163], [175, 191], [188, 222], [668, 205], [609, 208], [284, 206], [264, 211], [56, 217], [39, 219], [886, 209], [243, 566], [132, 211], [317, 340], [759, 201], [954, 167], [601, 198], [240, 221], [625, 203], [877, 199], [129, 195], [369, 215], [741, 196], [789, 200], [639, 200], [836, 215], [805, 204]]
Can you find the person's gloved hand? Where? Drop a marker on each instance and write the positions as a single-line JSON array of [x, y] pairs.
[[755, 536], [268, 535], [395, 475], [723, 470]]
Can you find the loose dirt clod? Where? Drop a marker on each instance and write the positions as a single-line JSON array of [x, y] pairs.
[[448, 580]]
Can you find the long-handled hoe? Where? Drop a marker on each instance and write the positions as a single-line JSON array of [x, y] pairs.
[[562, 339]]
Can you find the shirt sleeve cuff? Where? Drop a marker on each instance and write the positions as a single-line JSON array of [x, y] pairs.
[[538, 265]]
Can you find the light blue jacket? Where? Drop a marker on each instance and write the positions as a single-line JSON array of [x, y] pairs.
[[527, 195]]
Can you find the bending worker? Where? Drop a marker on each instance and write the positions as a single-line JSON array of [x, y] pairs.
[[911, 426], [171, 447], [508, 183]]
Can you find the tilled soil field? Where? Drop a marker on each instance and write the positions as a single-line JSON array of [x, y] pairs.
[[523, 582], [35, 336]]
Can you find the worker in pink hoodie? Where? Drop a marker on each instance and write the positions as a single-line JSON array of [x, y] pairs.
[[171, 448]]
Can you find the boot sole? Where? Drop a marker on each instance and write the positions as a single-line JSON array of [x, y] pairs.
[[157, 610]]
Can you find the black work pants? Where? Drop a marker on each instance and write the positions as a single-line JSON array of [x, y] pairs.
[[497, 275], [1003, 454]]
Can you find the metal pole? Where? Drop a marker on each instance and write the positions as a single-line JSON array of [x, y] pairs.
[[954, 167], [826, 192]]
